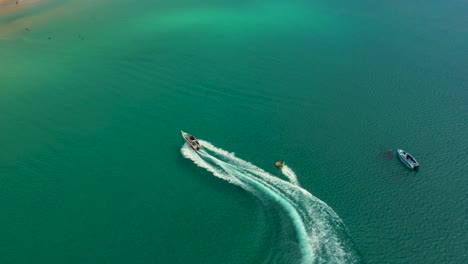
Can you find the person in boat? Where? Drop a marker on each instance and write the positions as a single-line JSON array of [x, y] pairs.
[[279, 164]]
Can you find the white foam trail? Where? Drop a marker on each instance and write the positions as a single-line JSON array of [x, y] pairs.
[[320, 232], [290, 174], [190, 154]]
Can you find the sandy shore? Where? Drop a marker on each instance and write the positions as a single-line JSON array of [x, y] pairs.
[[14, 19], [9, 8]]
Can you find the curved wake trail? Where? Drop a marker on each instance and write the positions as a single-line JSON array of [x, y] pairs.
[[321, 234], [290, 174]]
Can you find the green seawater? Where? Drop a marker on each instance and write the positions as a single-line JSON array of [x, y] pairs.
[[92, 163]]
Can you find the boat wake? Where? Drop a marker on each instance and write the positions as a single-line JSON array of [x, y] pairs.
[[290, 175], [320, 233]]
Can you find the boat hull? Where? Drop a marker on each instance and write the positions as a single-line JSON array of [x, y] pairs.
[[406, 162], [191, 140], [193, 147], [407, 159]]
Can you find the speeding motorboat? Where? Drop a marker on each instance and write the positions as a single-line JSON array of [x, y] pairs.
[[407, 159], [191, 140]]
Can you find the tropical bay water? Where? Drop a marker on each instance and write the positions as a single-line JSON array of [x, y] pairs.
[[91, 169]]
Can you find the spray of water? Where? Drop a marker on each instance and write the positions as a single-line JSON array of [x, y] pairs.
[[290, 175], [321, 234]]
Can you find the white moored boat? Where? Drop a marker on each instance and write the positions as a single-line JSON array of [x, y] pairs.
[[408, 159], [191, 140]]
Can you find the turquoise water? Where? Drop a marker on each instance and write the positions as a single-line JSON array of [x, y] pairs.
[[93, 168]]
